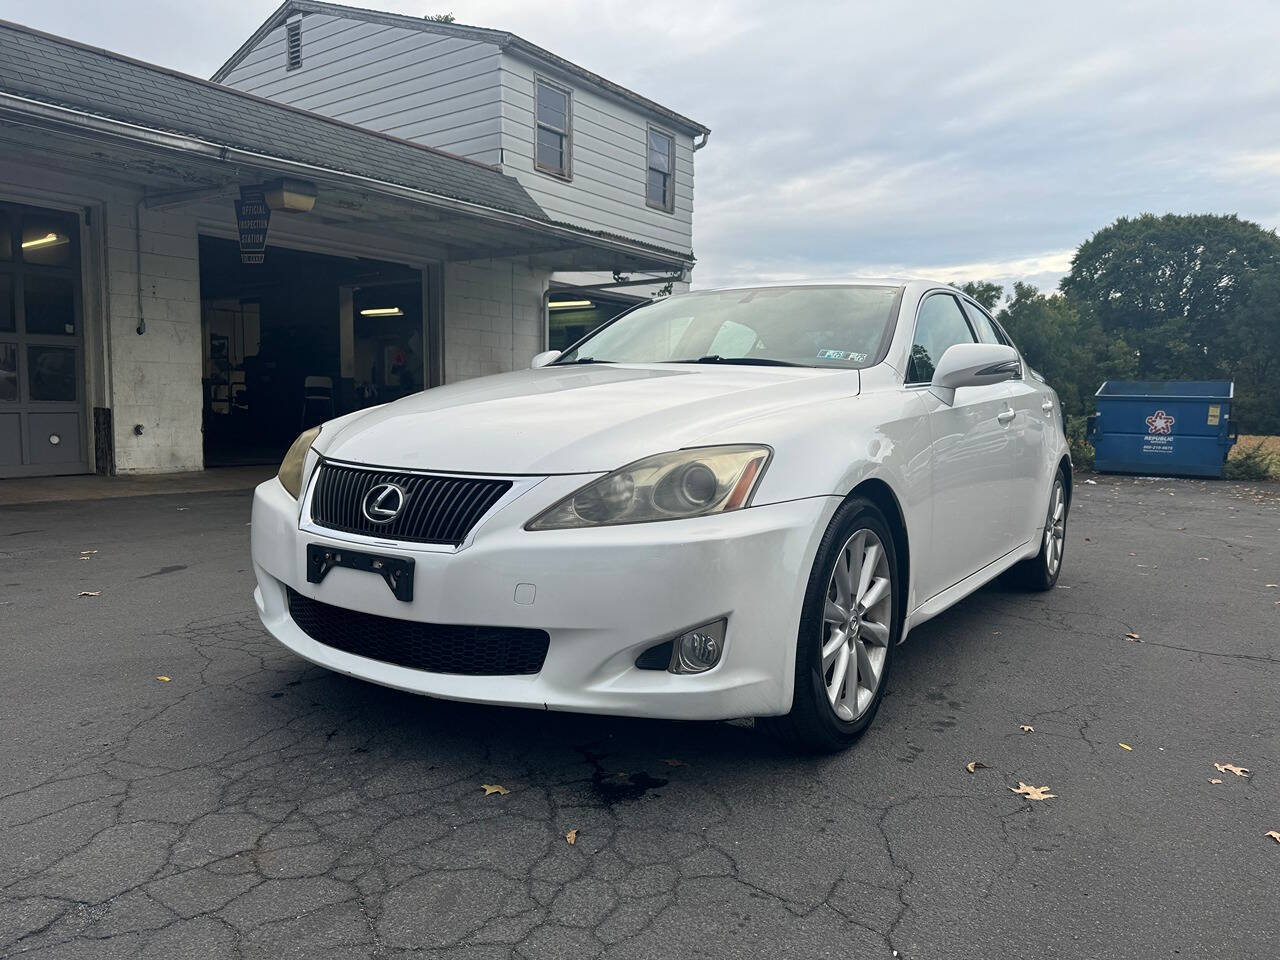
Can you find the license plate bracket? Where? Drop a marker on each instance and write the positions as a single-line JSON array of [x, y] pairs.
[[396, 571]]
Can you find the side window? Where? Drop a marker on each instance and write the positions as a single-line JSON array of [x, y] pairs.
[[939, 325], [981, 323]]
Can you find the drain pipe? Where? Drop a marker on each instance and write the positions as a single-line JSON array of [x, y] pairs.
[[698, 145], [137, 251]]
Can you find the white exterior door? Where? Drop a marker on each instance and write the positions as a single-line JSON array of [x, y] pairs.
[[972, 456], [41, 337]]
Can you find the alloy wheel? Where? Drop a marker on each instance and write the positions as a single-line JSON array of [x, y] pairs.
[[855, 625], [1055, 530]]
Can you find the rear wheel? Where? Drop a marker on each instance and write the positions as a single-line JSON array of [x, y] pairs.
[[1041, 571], [848, 628]]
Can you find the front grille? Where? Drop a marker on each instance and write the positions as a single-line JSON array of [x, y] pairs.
[[437, 509], [433, 647]]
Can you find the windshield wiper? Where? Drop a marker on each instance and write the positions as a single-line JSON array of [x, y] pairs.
[[567, 363], [748, 361]]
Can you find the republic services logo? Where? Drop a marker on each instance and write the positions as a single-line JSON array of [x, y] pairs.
[[1160, 422]]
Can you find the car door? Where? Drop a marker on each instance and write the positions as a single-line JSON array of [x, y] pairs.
[[972, 454], [1029, 436]]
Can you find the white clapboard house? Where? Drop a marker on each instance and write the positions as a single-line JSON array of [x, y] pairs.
[[588, 151]]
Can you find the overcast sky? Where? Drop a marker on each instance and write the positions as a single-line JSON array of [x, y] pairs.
[[955, 140]]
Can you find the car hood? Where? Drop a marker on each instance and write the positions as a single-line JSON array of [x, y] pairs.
[[582, 419]]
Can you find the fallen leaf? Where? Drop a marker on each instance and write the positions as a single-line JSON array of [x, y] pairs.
[[571, 837], [973, 766], [1273, 585], [1134, 637], [164, 679], [1027, 728], [673, 762], [1092, 482], [90, 593], [84, 558], [1232, 768], [494, 788], [85, 553], [1274, 835], [1033, 793], [1214, 780], [1125, 746]]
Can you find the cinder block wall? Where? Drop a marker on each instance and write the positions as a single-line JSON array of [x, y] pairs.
[[155, 375], [493, 317]]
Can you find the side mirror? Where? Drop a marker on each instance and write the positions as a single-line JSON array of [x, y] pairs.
[[542, 359], [973, 365]]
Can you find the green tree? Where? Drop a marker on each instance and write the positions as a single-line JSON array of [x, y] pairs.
[[984, 291], [440, 17], [1251, 354], [1067, 347], [1171, 287]]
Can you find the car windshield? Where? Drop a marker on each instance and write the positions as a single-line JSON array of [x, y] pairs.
[[805, 326]]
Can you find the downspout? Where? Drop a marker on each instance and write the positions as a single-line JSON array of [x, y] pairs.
[[137, 253], [698, 145]]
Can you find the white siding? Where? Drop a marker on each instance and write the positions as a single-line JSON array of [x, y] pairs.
[[470, 98], [440, 91], [610, 162]]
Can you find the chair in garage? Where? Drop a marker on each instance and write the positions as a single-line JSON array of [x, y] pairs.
[[317, 400]]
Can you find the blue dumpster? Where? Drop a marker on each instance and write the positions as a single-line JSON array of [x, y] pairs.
[[1167, 428]]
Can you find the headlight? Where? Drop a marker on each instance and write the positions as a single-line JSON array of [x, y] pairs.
[[291, 467], [670, 486]]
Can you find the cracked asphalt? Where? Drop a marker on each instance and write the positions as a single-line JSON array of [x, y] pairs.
[[257, 806]]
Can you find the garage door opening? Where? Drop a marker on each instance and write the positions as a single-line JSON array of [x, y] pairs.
[[300, 339]]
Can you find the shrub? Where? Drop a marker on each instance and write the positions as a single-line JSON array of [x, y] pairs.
[[1081, 449], [1253, 462]]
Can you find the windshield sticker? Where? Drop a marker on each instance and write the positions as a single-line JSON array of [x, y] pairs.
[[842, 355]]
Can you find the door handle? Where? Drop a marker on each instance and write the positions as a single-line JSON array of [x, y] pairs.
[[1004, 416], [1047, 406]]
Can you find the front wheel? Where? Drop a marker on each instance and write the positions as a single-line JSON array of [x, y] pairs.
[[1041, 571], [848, 628]]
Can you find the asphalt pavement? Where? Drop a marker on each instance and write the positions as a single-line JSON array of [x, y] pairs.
[[255, 806]]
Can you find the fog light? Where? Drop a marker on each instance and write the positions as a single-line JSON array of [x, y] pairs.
[[698, 650]]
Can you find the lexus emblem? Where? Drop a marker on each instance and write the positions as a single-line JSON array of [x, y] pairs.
[[384, 502]]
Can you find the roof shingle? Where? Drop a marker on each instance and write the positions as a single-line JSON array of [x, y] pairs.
[[64, 73]]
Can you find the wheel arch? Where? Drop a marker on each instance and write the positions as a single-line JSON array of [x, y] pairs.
[[882, 495], [1065, 466]]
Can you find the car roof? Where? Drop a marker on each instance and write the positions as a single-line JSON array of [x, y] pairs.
[[841, 282]]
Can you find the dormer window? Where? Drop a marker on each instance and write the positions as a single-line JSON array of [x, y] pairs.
[[552, 151], [660, 185]]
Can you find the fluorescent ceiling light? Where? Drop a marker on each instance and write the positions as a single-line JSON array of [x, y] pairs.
[[569, 304], [382, 312], [48, 240]]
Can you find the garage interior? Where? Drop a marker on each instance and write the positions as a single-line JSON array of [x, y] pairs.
[[299, 339]]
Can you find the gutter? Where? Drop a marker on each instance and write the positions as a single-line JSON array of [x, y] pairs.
[[81, 122]]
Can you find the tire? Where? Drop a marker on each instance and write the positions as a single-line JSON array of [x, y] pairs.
[[1040, 572], [821, 721]]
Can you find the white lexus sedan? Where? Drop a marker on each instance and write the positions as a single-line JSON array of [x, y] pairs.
[[723, 504]]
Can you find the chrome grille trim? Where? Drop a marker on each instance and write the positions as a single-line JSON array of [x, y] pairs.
[[439, 509]]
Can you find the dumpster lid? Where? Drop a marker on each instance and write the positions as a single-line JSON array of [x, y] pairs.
[[1172, 389]]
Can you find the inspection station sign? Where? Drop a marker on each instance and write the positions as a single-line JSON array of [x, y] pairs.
[[253, 216]]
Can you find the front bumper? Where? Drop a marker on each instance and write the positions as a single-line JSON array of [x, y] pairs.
[[603, 594]]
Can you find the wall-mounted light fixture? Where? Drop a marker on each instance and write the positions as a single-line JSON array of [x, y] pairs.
[[570, 304], [382, 312], [290, 196]]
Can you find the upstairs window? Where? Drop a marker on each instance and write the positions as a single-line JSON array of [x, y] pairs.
[[554, 122], [293, 45], [660, 185]]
